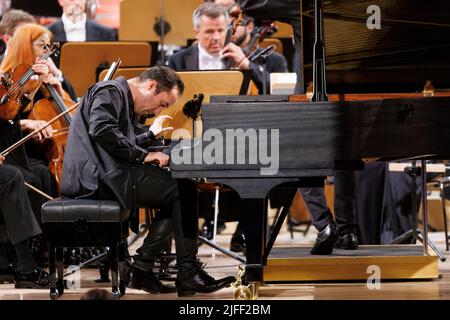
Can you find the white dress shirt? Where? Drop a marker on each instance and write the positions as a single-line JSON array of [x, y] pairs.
[[208, 61], [74, 31]]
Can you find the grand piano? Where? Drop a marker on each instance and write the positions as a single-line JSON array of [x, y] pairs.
[[387, 68]]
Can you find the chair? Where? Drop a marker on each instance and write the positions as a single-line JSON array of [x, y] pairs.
[[85, 223]]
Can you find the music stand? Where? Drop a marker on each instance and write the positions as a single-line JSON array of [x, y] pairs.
[[137, 19], [80, 60]]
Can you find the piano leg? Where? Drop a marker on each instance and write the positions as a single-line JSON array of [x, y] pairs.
[[255, 222]]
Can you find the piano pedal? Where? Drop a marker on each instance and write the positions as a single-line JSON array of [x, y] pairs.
[[243, 291]]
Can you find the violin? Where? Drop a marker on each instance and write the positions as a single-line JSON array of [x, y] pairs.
[[14, 85]]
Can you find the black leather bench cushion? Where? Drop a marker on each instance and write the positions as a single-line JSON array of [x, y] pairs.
[[68, 210]]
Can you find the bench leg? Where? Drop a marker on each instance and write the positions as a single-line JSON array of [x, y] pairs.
[[114, 268], [122, 284], [60, 269], [52, 270]]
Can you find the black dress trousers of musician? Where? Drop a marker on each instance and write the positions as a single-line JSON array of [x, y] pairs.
[[16, 212]]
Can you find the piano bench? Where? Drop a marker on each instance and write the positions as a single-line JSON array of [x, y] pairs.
[[85, 223]]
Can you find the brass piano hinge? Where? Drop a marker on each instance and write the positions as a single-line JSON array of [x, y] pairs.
[[428, 89]]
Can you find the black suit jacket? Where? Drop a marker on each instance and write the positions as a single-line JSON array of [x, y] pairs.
[[187, 59], [94, 32], [102, 146]]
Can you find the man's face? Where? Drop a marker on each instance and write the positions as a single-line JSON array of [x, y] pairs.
[[151, 102], [211, 34], [241, 36], [73, 7]]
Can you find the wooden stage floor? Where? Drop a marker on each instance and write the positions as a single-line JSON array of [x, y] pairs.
[[221, 265]]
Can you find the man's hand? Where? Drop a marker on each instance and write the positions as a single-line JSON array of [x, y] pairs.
[[235, 53], [2, 158], [157, 157], [27, 124], [157, 126]]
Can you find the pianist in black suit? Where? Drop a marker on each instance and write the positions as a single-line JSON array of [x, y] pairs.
[[74, 25], [106, 159]]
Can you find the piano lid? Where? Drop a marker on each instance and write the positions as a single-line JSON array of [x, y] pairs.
[[411, 47]]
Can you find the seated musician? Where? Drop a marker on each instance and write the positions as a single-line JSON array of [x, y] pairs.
[[106, 159], [210, 22], [11, 21], [28, 44], [75, 26]]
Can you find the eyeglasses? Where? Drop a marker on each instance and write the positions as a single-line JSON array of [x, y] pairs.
[[42, 45]]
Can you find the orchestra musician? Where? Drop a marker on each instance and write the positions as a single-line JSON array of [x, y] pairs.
[[106, 159]]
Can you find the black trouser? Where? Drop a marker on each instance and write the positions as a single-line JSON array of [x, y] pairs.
[[177, 200], [345, 201], [384, 204], [18, 217]]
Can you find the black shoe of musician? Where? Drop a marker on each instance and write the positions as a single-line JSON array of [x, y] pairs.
[[238, 242], [197, 280], [36, 279], [148, 282], [7, 274], [347, 241], [325, 240]]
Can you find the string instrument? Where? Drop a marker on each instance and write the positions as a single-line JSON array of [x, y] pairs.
[[15, 84], [257, 35], [46, 109], [236, 15]]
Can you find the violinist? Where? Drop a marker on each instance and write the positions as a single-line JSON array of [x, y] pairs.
[[25, 47], [10, 22]]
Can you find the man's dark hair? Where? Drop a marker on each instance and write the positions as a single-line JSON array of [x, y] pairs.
[[12, 18], [166, 78]]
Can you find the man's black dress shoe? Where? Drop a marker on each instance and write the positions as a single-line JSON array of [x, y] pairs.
[[325, 240], [7, 274], [148, 282], [198, 280], [238, 243], [36, 279], [348, 241]]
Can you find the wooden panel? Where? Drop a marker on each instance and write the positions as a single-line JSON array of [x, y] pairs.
[[80, 60], [338, 267], [137, 18]]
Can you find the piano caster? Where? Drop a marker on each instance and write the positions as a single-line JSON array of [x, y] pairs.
[[242, 291]]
